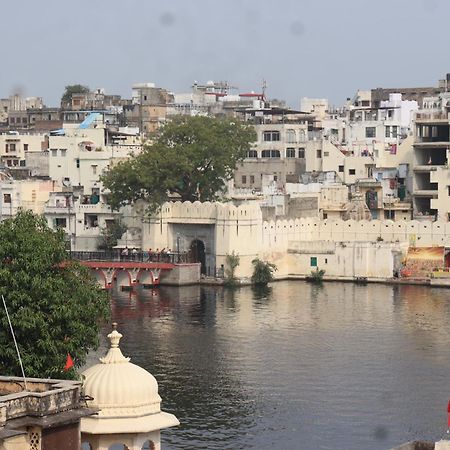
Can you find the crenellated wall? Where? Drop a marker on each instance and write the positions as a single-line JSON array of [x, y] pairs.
[[354, 248]]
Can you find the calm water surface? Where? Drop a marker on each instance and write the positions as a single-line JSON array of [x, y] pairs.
[[294, 366]]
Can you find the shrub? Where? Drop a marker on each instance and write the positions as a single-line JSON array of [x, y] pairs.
[[317, 275], [262, 272], [232, 261]]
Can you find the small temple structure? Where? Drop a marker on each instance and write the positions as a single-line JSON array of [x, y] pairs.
[[128, 403]]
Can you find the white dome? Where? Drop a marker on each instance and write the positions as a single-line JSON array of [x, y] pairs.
[[126, 394]]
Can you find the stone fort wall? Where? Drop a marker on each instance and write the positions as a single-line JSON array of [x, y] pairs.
[[241, 229]]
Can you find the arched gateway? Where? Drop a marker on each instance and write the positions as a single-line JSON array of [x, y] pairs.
[[197, 254]]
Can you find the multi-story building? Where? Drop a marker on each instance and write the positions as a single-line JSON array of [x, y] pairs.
[[431, 181], [281, 148], [14, 146], [148, 108]]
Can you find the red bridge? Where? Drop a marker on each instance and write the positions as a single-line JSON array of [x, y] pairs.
[[111, 269]]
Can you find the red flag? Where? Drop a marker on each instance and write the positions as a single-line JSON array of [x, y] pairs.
[[69, 363], [448, 414]]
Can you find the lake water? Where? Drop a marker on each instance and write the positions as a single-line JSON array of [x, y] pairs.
[[294, 366]]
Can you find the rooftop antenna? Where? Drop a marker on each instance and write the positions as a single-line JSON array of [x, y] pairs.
[[264, 86], [15, 343]]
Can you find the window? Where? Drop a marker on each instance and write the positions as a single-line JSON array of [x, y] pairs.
[[319, 154], [60, 222], [290, 136], [78, 162], [244, 179], [94, 169], [275, 178], [271, 136], [252, 179], [394, 131], [25, 147], [351, 171], [63, 152], [341, 169], [252, 154], [313, 262], [325, 216], [326, 153], [24, 120], [54, 152], [270, 154], [12, 147], [12, 120], [290, 153], [301, 153], [6, 148], [448, 190], [387, 132], [370, 132], [6, 198]]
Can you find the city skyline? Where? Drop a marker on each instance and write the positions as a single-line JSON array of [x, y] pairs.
[[300, 48]]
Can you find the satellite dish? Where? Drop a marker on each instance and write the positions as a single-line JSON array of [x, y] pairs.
[[66, 182]]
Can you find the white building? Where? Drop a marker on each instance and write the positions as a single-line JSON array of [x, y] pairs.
[[128, 401]]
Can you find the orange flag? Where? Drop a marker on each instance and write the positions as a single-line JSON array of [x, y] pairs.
[[69, 363]]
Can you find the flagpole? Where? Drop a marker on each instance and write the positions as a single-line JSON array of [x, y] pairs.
[[15, 343]]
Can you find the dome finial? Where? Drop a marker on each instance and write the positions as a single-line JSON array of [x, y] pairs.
[[114, 336], [114, 354]]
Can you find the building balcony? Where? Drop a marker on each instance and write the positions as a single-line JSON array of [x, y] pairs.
[[426, 168], [59, 209], [432, 117], [427, 143], [97, 208], [425, 193]]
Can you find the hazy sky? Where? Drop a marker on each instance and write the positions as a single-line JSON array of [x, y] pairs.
[[327, 48]]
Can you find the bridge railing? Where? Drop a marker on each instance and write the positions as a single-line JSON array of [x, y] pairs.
[[139, 256]]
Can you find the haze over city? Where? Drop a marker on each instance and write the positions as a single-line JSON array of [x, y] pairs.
[[301, 48]]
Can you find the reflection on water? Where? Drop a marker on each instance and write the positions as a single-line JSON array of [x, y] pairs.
[[295, 365]]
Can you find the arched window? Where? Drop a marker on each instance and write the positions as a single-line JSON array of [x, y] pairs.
[[291, 137], [148, 445], [271, 154], [271, 136], [290, 153], [252, 154]]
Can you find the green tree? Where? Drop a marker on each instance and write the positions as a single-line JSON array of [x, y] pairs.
[[232, 262], [262, 271], [110, 234], [190, 156], [73, 89], [55, 306]]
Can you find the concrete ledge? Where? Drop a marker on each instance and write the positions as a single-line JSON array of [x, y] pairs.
[[415, 445]]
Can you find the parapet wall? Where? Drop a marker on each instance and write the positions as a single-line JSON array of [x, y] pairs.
[[209, 211], [278, 234]]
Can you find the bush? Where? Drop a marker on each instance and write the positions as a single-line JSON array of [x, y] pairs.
[[262, 272], [317, 275], [232, 261]]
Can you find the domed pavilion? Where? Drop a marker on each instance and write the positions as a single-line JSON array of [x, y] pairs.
[[129, 405]]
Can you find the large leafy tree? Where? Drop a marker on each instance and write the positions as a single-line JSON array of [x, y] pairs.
[[190, 156], [55, 306], [73, 89]]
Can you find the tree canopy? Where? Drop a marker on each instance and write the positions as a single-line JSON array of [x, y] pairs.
[[55, 306], [190, 156], [73, 89]]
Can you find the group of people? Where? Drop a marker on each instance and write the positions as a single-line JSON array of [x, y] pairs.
[[133, 254]]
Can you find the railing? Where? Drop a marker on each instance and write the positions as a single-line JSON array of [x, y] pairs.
[[139, 256], [431, 116]]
